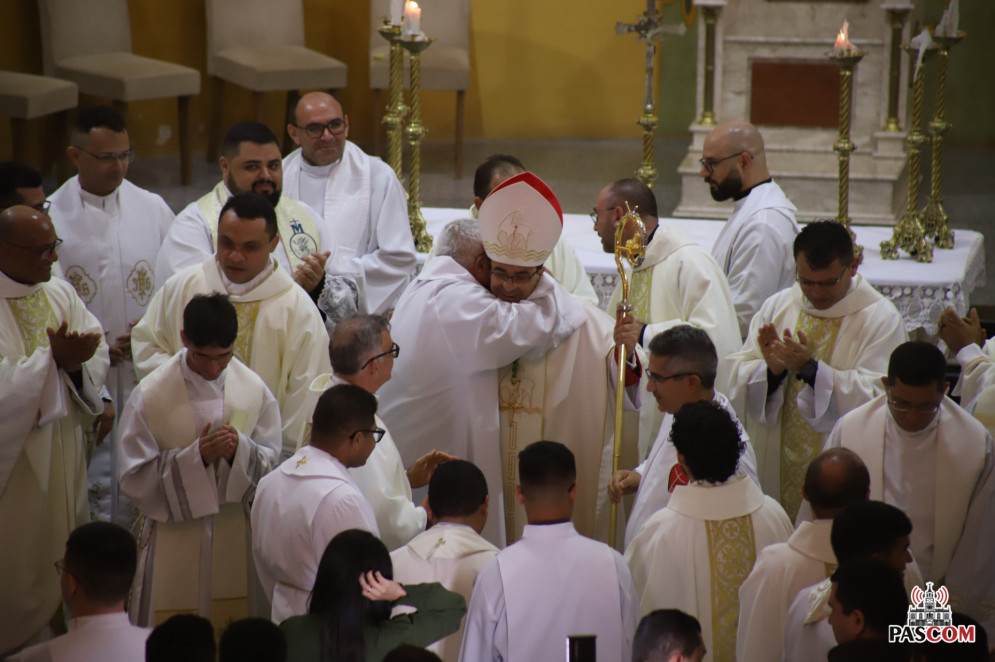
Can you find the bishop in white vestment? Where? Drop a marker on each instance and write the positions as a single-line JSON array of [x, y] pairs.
[[814, 352], [53, 360], [194, 554], [358, 196], [678, 282], [754, 246], [443, 391], [281, 336]]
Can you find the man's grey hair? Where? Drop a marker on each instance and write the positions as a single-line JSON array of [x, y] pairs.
[[460, 240], [354, 340]]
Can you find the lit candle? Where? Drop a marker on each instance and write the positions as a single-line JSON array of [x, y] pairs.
[[412, 18], [396, 11], [843, 45]]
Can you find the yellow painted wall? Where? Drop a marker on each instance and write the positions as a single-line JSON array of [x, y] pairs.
[[541, 68]]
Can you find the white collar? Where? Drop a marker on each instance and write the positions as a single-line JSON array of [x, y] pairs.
[[109, 203], [240, 289]]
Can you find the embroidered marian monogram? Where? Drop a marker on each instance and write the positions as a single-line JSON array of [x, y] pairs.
[[301, 243], [247, 312], [799, 442], [33, 314], [731, 554], [140, 282], [81, 281]]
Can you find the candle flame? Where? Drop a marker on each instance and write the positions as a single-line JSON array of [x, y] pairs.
[[414, 5], [843, 44]]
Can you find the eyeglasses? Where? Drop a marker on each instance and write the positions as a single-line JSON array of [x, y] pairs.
[[110, 157], [43, 206], [709, 164], [517, 279], [832, 282], [905, 408], [394, 351], [43, 252], [316, 130], [654, 378], [377, 433], [596, 214]]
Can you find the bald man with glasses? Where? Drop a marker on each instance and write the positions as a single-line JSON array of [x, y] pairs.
[[754, 246]]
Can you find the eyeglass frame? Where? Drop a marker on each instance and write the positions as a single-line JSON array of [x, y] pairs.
[[43, 206], [111, 157], [824, 284], [596, 214], [394, 351], [709, 164], [377, 433], [309, 129], [517, 279], [42, 253], [919, 409], [654, 378]]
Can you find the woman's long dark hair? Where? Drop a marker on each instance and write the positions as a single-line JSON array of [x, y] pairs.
[[337, 598]]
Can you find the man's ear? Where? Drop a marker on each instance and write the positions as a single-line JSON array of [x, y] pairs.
[[73, 155], [294, 134], [884, 380], [518, 495], [225, 166]]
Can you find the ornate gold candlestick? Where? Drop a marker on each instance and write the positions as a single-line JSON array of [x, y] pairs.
[[896, 19], [907, 234], [933, 217], [393, 118], [415, 132], [847, 62], [711, 15]]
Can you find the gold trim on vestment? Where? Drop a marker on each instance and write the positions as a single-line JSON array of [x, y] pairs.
[[519, 394], [639, 294], [731, 554], [82, 282], [799, 442], [33, 314], [247, 311]]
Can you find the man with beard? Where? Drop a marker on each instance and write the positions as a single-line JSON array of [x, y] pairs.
[[251, 162], [754, 246]]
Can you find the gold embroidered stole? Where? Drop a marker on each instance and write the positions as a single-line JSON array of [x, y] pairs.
[[799, 442], [640, 286], [521, 400], [33, 314], [731, 554], [247, 311]]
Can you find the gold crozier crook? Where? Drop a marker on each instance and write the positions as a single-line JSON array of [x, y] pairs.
[[633, 250]]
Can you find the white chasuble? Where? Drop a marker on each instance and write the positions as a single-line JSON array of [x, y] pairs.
[[280, 336], [870, 328], [694, 554], [566, 396], [43, 415], [194, 550], [364, 208], [678, 283], [108, 255], [454, 337]]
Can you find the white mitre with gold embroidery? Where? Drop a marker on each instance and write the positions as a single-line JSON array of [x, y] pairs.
[[520, 221]]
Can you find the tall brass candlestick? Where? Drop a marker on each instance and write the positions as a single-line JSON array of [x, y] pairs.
[[415, 132], [907, 234], [711, 13], [896, 19], [847, 62], [933, 217], [393, 118]]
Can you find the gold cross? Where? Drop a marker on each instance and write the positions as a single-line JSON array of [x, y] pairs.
[[301, 461]]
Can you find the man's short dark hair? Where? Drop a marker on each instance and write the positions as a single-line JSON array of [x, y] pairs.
[[823, 243], [485, 172], [15, 175], [252, 640], [829, 495], [246, 132], [409, 653], [250, 206], [664, 633], [354, 338], [918, 363], [875, 588], [102, 557], [210, 320], [691, 347], [185, 637], [89, 118], [457, 489], [340, 411], [639, 196], [544, 467], [710, 440], [866, 528]]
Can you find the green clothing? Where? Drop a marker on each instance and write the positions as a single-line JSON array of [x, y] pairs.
[[439, 614]]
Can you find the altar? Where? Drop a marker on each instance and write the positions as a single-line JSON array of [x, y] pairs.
[[920, 291]]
